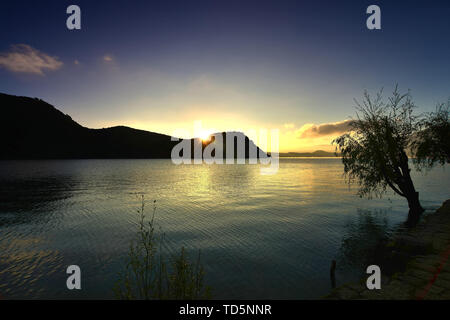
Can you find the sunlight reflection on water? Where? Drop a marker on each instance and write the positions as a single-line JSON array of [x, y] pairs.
[[261, 236]]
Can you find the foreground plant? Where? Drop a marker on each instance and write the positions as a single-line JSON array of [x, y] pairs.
[[148, 275]]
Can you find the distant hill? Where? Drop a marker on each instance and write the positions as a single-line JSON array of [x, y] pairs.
[[317, 153], [33, 129]]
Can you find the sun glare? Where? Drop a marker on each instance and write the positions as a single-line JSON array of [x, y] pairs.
[[205, 136]]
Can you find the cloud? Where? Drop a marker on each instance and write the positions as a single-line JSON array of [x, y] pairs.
[[289, 125], [23, 58], [107, 58], [325, 129]]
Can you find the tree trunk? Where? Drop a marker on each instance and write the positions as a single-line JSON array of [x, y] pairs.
[[409, 192], [415, 209]]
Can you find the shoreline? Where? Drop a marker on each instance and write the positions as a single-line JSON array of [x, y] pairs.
[[417, 261]]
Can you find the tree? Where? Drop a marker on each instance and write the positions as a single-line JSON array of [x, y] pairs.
[[432, 143], [374, 151]]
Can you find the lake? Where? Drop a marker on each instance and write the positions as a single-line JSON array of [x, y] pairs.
[[260, 236]]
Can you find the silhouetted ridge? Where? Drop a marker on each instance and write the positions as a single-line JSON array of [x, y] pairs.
[[317, 153], [33, 129]]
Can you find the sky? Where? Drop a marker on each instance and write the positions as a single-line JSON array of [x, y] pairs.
[[295, 66]]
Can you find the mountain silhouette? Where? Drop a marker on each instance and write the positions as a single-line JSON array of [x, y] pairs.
[[33, 129], [315, 154]]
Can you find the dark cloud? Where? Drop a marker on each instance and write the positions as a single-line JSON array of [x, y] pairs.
[[324, 129]]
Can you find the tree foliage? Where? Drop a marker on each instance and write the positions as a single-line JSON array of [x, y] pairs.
[[374, 151], [432, 143]]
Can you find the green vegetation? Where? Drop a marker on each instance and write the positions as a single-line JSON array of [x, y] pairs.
[[148, 275], [374, 152], [432, 144]]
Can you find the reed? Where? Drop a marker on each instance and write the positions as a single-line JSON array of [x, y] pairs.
[[149, 275]]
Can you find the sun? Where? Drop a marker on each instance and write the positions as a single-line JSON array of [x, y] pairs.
[[205, 136]]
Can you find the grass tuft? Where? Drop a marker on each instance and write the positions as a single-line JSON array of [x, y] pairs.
[[149, 276]]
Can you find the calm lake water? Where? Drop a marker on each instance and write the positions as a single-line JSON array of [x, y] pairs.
[[261, 236]]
